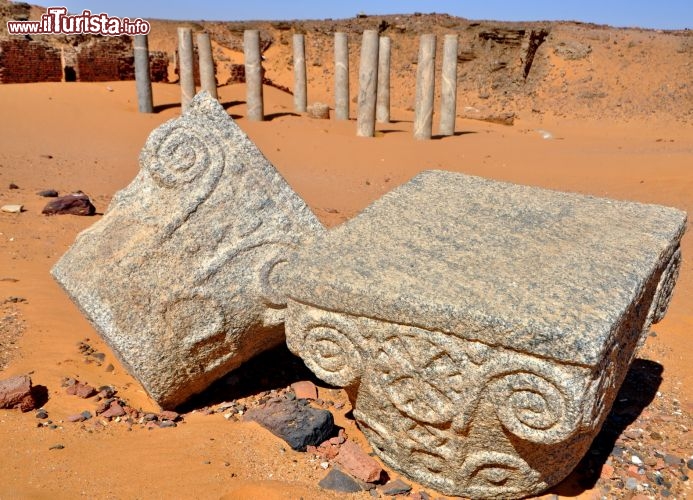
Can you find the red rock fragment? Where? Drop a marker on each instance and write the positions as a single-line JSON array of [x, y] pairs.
[[73, 204], [358, 463], [115, 410], [305, 390], [81, 390], [169, 415], [16, 392]]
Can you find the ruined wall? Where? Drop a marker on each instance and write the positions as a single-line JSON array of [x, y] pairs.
[[105, 59], [23, 61], [158, 66]]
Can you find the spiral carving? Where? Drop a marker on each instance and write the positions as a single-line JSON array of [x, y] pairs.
[[327, 342], [180, 156], [271, 277], [489, 474], [532, 407]]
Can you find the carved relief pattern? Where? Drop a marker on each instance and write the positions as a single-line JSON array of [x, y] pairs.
[[421, 393]]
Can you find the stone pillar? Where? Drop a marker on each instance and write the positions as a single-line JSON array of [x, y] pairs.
[[368, 80], [185, 71], [341, 76], [142, 76], [382, 110], [448, 97], [253, 75], [208, 78], [425, 87], [300, 92]]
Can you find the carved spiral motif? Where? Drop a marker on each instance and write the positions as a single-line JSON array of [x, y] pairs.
[[532, 407], [333, 356], [666, 287], [270, 277], [181, 156], [490, 474]]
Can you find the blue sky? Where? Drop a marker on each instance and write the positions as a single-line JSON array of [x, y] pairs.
[[663, 14]]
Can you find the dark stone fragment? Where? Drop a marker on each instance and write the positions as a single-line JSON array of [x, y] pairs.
[[690, 464], [336, 480], [48, 193], [13, 186], [396, 487], [73, 204], [297, 424]]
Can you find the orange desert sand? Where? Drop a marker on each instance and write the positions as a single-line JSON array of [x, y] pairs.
[[87, 136]]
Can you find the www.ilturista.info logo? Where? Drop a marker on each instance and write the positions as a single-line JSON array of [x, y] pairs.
[[56, 21]]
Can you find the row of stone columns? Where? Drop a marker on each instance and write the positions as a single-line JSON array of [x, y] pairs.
[[374, 78]]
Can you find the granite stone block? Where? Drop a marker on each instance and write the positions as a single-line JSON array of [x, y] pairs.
[[180, 275], [482, 329]]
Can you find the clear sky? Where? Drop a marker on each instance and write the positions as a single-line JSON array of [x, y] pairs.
[[661, 14]]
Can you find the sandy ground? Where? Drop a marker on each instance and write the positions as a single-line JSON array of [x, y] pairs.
[[87, 136]]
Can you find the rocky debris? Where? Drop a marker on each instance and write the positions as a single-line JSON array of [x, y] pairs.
[[90, 354], [305, 389], [318, 110], [394, 488], [57, 447], [486, 115], [79, 389], [114, 410], [572, 50], [13, 186], [643, 443], [13, 299], [41, 414], [48, 193], [336, 480], [12, 209], [17, 392], [293, 421], [358, 463], [80, 417], [76, 203]]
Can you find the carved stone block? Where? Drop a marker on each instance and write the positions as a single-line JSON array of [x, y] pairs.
[[180, 275], [482, 329]]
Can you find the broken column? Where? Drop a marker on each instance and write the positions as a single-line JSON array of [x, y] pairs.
[[253, 75], [181, 275], [185, 60], [300, 90], [425, 87], [341, 76], [383, 94], [142, 77], [208, 78], [488, 328], [448, 86], [368, 81]]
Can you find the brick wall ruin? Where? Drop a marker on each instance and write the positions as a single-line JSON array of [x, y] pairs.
[[87, 59], [23, 61]]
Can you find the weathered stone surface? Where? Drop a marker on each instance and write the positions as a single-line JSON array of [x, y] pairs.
[[16, 392], [180, 275], [72, 204], [482, 329], [296, 423]]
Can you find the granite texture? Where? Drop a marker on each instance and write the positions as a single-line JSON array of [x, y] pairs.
[[180, 275], [482, 329]]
